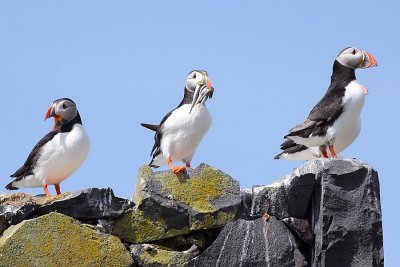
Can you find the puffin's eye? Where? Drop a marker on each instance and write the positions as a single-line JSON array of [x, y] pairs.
[[194, 76], [354, 52], [64, 106]]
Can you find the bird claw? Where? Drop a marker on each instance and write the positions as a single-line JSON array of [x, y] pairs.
[[179, 169]]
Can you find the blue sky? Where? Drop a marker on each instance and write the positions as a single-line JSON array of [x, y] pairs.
[[125, 62]]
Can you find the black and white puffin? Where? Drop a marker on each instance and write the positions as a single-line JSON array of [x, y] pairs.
[[182, 129], [58, 154], [334, 123]]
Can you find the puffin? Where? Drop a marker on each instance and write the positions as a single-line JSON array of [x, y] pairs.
[[58, 154], [334, 122], [181, 130]]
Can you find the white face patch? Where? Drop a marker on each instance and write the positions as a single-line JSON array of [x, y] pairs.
[[351, 57]]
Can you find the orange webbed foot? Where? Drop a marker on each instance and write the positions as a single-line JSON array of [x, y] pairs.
[[178, 169]]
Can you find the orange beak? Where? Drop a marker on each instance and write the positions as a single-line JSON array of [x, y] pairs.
[[369, 61], [51, 113]]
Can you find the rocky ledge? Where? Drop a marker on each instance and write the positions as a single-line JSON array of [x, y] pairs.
[[325, 213]]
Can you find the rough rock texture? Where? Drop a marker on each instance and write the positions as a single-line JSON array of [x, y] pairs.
[[87, 204], [346, 215], [58, 240], [154, 255], [252, 243], [288, 197], [168, 205], [326, 213]]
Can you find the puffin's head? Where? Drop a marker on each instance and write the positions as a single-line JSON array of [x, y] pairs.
[[197, 82], [355, 58], [63, 110]]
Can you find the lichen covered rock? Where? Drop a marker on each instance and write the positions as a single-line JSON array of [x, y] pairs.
[[155, 255], [57, 240], [168, 205]]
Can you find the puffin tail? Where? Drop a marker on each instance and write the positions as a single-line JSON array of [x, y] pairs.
[[279, 156], [10, 186], [152, 127]]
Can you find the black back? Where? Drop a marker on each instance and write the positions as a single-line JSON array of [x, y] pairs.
[[329, 108], [29, 165]]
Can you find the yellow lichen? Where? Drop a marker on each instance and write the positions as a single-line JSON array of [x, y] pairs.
[[55, 239], [196, 192], [160, 255], [210, 221]]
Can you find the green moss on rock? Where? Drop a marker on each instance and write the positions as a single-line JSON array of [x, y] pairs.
[[155, 255], [56, 240], [197, 192], [133, 227], [210, 221]]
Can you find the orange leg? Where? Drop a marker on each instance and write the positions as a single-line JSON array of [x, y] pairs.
[[323, 151], [176, 169], [46, 190], [58, 190], [187, 165], [332, 152]]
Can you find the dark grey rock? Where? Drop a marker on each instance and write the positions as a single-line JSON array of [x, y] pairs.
[[287, 197], [252, 243], [300, 228], [244, 211], [171, 205], [88, 204], [346, 215]]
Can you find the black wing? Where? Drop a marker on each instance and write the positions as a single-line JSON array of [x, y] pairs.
[[27, 168], [327, 110], [157, 137]]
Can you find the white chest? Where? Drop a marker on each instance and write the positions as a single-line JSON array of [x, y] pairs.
[[348, 121], [182, 132], [61, 156]]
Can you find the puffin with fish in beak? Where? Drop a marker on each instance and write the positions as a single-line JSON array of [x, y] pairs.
[[181, 130]]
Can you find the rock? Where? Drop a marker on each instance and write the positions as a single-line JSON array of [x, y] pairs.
[[301, 229], [346, 215], [155, 255], [289, 196], [168, 205], [252, 243], [56, 240], [87, 204]]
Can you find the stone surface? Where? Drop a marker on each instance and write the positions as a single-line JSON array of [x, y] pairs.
[[287, 197], [168, 205], [252, 243], [154, 255], [300, 228], [58, 240], [346, 215], [87, 204]]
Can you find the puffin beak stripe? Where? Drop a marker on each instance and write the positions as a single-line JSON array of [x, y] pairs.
[[50, 112], [208, 83], [369, 60]]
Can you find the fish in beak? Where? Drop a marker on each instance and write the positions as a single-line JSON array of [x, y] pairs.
[[368, 61], [52, 113], [203, 91]]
